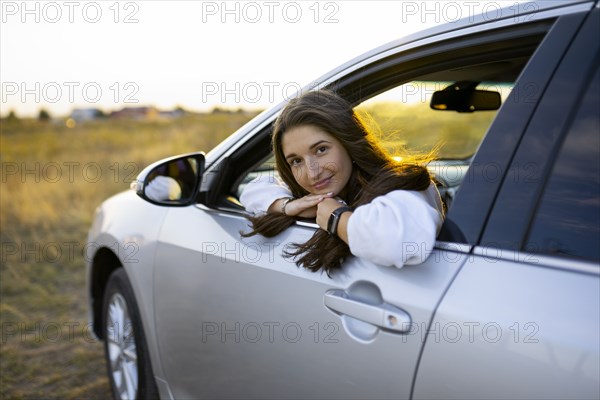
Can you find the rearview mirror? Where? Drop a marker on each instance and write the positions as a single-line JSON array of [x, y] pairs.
[[461, 99], [171, 182]]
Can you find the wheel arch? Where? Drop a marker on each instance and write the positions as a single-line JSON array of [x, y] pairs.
[[104, 263]]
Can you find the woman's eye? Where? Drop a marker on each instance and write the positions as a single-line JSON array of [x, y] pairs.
[[321, 149], [295, 162]]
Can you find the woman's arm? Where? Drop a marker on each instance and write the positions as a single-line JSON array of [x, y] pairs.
[[305, 207], [260, 194], [395, 229], [267, 194]]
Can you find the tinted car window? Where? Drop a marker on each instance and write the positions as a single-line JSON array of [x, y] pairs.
[[568, 218]]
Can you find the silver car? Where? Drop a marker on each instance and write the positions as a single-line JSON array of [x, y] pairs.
[[506, 306]]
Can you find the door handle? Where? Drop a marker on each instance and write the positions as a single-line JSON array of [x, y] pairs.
[[382, 315]]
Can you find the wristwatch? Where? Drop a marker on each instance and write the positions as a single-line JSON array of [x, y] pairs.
[[285, 203], [334, 219]]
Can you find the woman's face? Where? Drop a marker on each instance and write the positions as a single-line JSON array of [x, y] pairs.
[[318, 161]]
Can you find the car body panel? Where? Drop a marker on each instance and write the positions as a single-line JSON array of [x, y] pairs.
[[542, 342], [128, 226], [265, 322]]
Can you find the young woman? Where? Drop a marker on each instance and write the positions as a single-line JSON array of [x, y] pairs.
[[333, 169]]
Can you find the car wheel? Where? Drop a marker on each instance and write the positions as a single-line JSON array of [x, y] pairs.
[[127, 358]]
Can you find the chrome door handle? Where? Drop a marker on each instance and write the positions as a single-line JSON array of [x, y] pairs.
[[382, 315]]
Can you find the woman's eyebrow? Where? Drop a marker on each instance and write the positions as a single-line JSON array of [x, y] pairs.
[[318, 143], [312, 146]]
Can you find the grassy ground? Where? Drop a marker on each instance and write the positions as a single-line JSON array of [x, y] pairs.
[[52, 179]]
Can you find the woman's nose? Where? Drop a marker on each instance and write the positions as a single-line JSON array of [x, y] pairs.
[[314, 169]]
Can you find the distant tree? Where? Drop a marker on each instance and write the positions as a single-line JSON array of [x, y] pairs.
[[12, 116], [44, 115]]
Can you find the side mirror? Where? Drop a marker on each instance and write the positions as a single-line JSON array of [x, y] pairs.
[[463, 98], [171, 182]]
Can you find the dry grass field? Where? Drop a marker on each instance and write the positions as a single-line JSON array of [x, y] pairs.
[[52, 179]]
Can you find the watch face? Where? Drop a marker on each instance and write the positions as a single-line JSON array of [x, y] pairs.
[[332, 223], [334, 219]]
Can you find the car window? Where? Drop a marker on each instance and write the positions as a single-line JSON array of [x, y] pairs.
[[405, 121], [266, 168], [567, 221], [396, 93]]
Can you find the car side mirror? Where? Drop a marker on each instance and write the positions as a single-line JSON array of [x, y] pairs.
[[465, 99], [171, 182]]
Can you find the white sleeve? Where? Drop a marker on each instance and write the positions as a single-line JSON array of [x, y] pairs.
[[163, 188], [398, 228], [260, 193]]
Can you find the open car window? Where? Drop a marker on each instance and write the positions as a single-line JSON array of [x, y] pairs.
[[266, 168], [406, 121], [428, 102]]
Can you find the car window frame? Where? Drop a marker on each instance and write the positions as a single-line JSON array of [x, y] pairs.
[[468, 217], [518, 199], [396, 69]]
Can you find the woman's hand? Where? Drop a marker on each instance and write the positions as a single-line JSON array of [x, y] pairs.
[[305, 207]]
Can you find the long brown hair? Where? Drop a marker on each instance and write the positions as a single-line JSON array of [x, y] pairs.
[[374, 173]]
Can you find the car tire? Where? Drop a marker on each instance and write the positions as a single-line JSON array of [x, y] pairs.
[[126, 353]]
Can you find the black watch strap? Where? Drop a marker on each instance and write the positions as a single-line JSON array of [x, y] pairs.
[[334, 219]]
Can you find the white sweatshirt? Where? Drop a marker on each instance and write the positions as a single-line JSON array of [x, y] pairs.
[[398, 228]]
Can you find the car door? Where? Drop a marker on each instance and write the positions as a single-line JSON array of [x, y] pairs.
[[235, 318], [524, 311]]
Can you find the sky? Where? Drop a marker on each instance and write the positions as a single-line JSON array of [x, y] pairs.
[[62, 55]]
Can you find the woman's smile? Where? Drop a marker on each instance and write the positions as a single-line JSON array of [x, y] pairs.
[[322, 183]]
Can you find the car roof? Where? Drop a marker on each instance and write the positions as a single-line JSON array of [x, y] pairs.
[[516, 11]]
